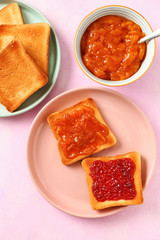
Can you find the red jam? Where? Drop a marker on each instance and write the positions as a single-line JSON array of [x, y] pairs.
[[80, 132], [113, 180]]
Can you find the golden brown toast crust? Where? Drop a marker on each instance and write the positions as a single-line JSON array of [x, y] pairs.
[[34, 37], [88, 102], [20, 77], [11, 14], [86, 163]]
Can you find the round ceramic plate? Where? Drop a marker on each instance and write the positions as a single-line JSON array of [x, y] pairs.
[[65, 187], [31, 15]]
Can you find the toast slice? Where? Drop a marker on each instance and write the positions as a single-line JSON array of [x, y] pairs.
[[34, 37], [114, 181], [11, 14], [20, 77], [80, 131]]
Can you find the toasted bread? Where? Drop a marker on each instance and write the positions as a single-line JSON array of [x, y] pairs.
[[11, 14], [108, 190], [20, 77], [80, 131], [34, 37]]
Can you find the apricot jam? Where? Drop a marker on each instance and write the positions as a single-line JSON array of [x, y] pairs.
[[113, 180], [80, 132], [110, 49]]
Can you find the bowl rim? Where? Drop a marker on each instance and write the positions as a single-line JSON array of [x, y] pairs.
[[74, 46]]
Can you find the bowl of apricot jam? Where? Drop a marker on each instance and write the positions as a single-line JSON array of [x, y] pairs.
[[106, 45]]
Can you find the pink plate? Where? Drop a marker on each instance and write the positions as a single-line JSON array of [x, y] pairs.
[[65, 186]]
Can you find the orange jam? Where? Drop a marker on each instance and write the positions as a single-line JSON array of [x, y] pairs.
[[113, 180], [110, 48], [80, 132]]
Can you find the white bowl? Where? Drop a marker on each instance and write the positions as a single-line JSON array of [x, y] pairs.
[[128, 14]]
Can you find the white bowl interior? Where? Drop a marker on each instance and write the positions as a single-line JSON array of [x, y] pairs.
[[126, 13]]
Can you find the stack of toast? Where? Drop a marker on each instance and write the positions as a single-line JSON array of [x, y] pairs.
[[24, 53]]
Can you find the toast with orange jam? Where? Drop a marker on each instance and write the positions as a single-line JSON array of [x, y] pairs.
[[80, 131]]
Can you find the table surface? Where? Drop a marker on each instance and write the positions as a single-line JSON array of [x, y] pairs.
[[24, 213]]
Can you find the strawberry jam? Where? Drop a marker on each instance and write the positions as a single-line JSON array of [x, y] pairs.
[[113, 180], [80, 132]]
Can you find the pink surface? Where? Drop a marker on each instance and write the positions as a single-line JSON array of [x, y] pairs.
[[24, 213]]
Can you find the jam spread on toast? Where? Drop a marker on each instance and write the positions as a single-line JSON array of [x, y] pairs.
[[113, 180], [80, 132]]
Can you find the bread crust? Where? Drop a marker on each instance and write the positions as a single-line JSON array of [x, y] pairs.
[[86, 163], [20, 77], [11, 14], [34, 37], [88, 102]]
